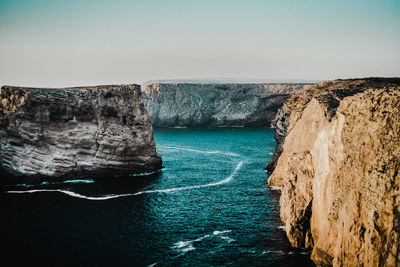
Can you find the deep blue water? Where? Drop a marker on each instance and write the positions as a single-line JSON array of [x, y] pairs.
[[210, 206]]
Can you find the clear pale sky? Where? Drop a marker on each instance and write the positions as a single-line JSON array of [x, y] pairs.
[[76, 42]]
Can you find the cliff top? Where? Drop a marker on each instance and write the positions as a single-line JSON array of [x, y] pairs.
[[92, 87], [330, 93], [13, 96], [225, 83], [259, 89]]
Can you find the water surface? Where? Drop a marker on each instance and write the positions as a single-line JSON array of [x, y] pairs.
[[210, 206]]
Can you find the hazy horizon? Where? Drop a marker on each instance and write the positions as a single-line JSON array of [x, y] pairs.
[[70, 43]]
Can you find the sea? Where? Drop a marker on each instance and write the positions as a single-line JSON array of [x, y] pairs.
[[209, 206]]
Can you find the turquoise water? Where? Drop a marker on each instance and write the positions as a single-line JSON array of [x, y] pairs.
[[210, 206]]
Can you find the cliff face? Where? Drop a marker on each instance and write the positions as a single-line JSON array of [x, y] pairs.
[[56, 133], [339, 171], [186, 104]]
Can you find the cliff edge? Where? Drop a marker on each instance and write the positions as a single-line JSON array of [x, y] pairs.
[[213, 104], [55, 134], [337, 161]]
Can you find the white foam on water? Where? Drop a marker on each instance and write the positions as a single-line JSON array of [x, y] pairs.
[[79, 181], [107, 197], [201, 151], [187, 249], [282, 227], [201, 238], [186, 246], [221, 235], [70, 193], [182, 244], [281, 252], [227, 238], [221, 232], [276, 188], [227, 180]]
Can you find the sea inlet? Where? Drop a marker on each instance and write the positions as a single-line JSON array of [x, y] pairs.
[[209, 206]]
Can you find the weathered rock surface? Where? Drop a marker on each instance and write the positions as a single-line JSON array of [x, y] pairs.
[[62, 133], [234, 104], [339, 169]]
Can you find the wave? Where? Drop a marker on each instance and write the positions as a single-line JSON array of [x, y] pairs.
[[221, 232], [221, 235], [201, 151], [227, 239], [70, 193], [188, 245], [107, 197], [282, 227], [182, 244]]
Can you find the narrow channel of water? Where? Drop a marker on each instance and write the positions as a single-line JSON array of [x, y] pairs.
[[210, 206]]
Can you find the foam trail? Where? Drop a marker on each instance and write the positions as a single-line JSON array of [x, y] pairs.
[[70, 193], [201, 151], [227, 180], [106, 197]]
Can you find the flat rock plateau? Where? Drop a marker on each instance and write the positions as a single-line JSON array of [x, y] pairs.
[[216, 104], [58, 134], [337, 162]]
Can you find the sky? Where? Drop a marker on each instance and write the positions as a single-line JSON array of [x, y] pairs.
[[53, 43]]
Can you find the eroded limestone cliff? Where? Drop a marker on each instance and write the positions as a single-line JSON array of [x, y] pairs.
[[234, 104], [338, 166], [62, 133]]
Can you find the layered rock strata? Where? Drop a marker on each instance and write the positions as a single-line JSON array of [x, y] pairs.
[[234, 104], [55, 134], [339, 170]]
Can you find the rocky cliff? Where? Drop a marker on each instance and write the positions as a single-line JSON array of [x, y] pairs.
[[338, 167], [213, 104], [61, 133]]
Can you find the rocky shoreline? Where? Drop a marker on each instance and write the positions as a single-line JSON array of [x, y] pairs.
[[58, 134], [337, 161]]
